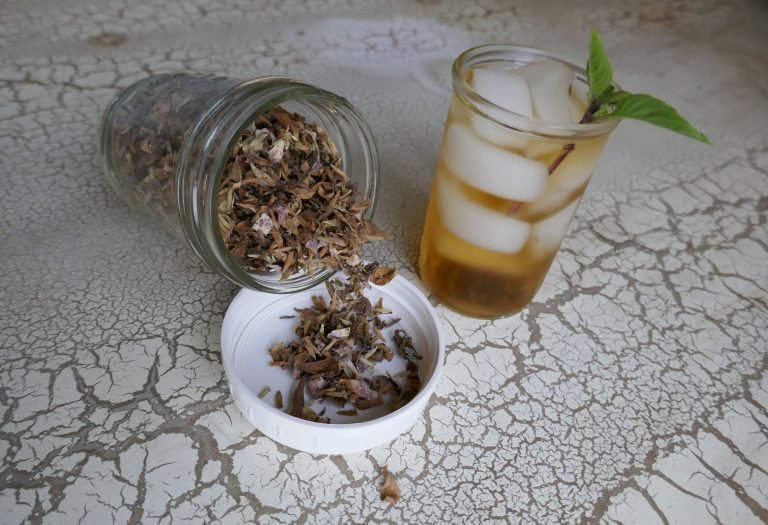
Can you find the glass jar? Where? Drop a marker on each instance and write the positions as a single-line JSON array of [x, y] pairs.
[[166, 140], [506, 187]]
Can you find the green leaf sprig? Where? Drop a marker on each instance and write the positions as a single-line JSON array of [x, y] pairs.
[[605, 102]]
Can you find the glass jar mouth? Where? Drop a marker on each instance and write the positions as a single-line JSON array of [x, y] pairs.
[[208, 147], [513, 54]]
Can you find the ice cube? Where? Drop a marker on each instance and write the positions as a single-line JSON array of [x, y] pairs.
[[477, 225], [578, 100], [504, 88], [490, 169], [547, 234], [470, 256], [576, 111], [508, 90], [541, 148], [548, 81], [498, 134]]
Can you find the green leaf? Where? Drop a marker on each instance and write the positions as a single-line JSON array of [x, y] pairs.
[[609, 101], [599, 70], [616, 97], [652, 110]]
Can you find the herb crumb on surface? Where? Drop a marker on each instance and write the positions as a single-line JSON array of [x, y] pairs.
[[390, 490]]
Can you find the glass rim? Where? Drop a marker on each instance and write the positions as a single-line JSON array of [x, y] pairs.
[[516, 121]]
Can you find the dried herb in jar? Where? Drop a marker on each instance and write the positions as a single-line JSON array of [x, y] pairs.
[[339, 342], [150, 130], [285, 203]]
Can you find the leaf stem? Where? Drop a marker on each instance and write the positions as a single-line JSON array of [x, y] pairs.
[[560, 158]]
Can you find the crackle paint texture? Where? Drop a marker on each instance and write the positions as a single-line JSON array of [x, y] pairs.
[[633, 390]]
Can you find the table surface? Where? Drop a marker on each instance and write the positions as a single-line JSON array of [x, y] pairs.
[[633, 390]]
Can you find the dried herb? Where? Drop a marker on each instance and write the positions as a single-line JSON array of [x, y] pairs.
[[285, 203], [297, 401], [339, 341], [390, 490], [279, 400], [149, 129]]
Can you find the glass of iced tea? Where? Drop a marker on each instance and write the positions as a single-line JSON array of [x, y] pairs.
[[514, 163]]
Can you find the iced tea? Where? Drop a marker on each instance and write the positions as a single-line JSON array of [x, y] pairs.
[[513, 165]]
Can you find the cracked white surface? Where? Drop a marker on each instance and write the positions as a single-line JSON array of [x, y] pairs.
[[633, 390]]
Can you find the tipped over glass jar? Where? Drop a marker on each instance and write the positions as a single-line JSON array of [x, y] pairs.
[[514, 163], [185, 147]]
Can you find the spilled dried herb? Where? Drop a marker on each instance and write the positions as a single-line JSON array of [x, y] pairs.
[[390, 490], [285, 203], [339, 342]]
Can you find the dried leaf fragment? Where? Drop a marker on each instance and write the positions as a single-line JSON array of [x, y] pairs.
[[263, 224], [358, 387], [297, 403], [382, 275], [390, 490], [279, 400], [339, 333]]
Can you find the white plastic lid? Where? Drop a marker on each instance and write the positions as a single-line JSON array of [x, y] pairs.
[[253, 324]]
